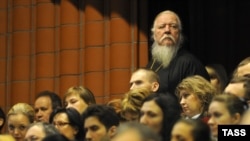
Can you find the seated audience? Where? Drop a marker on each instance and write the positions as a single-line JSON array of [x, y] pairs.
[[225, 109], [160, 111], [218, 76], [69, 123], [190, 130], [19, 117], [39, 130], [195, 94], [45, 103], [79, 98], [100, 122]]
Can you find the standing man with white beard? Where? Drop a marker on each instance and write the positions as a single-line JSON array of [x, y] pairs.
[[172, 62]]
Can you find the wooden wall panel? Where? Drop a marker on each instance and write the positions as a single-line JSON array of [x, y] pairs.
[[53, 46]]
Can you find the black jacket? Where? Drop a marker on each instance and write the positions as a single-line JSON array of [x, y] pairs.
[[182, 65]]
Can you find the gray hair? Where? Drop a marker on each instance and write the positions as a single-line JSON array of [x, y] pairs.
[[167, 12], [145, 133], [47, 128]]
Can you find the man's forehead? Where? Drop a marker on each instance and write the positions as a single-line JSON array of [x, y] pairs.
[[138, 76], [93, 121], [244, 70], [235, 89], [232, 86], [43, 100], [166, 16]]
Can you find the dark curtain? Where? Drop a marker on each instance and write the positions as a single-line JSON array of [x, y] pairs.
[[216, 31]]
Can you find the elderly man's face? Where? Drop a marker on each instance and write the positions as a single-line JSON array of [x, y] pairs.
[[166, 30]]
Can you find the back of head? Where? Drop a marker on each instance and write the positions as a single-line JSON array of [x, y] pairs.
[[201, 130], [55, 99], [132, 100], [47, 128], [117, 106], [105, 114], [143, 132], [24, 109]]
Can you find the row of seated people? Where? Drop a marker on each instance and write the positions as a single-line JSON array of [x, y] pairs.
[[159, 112], [195, 88]]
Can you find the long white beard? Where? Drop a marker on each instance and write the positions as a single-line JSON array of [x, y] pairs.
[[163, 54]]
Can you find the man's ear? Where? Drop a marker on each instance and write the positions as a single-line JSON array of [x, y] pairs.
[[76, 130], [112, 131], [248, 102], [237, 118], [1, 122], [155, 86]]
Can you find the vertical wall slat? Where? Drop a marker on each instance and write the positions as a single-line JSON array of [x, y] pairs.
[[48, 46]]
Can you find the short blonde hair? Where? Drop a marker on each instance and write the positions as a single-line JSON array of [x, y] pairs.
[[85, 94]]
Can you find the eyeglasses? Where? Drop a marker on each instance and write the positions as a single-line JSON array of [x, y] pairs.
[[60, 124]]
